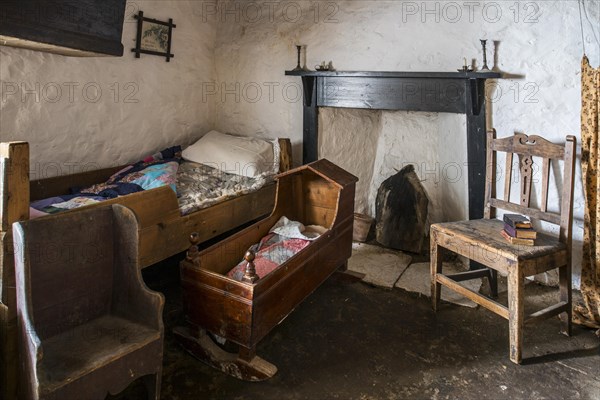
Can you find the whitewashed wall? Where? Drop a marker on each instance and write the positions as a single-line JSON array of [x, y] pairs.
[[539, 50], [228, 74], [81, 113]]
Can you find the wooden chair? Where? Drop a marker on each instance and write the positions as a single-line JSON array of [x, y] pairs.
[[88, 324], [480, 240]]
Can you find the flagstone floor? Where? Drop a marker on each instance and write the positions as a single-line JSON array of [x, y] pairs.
[[379, 339]]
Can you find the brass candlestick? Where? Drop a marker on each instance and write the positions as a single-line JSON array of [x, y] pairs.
[[298, 67], [484, 44]]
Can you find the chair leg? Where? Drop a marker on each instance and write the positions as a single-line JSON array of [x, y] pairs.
[[493, 281], [564, 279], [152, 383], [436, 268], [516, 314]]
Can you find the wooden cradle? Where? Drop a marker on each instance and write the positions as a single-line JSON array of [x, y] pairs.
[[163, 230], [244, 312]]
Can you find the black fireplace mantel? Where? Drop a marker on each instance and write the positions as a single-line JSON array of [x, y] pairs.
[[451, 92]]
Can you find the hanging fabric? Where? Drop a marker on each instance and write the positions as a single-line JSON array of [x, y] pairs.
[[588, 313]]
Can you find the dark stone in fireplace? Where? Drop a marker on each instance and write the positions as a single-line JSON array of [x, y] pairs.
[[402, 211]]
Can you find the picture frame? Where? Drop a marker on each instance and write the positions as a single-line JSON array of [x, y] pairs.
[[153, 37]]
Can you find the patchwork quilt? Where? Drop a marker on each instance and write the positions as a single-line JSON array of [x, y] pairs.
[[285, 239], [272, 251], [157, 170]]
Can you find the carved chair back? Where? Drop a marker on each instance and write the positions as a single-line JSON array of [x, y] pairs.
[[522, 155]]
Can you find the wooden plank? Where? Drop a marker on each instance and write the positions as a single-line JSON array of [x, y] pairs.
[[490, 173], [315, 215], [285, 155], [531, 212], [320, 193], [516, 314], [7, 271], [476, 146], [84, 28], [3, 195], [310, 131], [566, 206], [152, 207], [398, 74], [545, 179], [199, 299], [14, 188], [508, 176], [413, 94], [326, 170], [526, 176], [531, 145], [552, 260], [435, 269], [547, 312], [9, 356], [60, 185], [15, 185], [468, 275], [473, 296], [170, 237]]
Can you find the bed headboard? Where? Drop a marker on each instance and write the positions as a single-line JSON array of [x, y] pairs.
[[14, 183]]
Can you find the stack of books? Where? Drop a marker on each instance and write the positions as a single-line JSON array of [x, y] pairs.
[[518, 230]]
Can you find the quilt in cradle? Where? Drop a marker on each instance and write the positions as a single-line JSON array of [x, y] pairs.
[[285, 239]]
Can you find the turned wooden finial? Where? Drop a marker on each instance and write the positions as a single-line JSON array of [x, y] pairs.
[[192, 253], [250, 275]]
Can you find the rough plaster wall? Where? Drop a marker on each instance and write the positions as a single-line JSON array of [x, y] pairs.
[[144, 104], [350, 137], [398, 146], [539, 50]]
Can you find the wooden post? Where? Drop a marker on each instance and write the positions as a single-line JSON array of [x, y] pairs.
[[310, 139], [250, 275], [14, 206]]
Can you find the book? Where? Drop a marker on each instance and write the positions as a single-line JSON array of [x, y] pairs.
[[514, 240], [517, 221], [523, 233]]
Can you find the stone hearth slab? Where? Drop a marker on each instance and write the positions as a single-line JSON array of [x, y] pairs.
[[381, 266], [417, 279]]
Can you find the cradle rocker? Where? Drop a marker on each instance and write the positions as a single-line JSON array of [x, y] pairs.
[[244, 312]]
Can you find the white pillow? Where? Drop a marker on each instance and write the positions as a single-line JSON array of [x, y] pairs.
[[238, 155]]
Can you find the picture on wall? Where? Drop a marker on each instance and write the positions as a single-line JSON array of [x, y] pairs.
[[153, 37]]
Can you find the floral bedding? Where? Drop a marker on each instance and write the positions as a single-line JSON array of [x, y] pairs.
[[200, 186]]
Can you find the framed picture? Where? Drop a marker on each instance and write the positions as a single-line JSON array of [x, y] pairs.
[[153, 37]]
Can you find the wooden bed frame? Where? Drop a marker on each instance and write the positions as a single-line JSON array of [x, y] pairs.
[[163, 232], [319, 193]]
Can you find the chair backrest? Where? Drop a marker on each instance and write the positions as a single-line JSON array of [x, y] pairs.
[[68, 265], [528, 149]]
